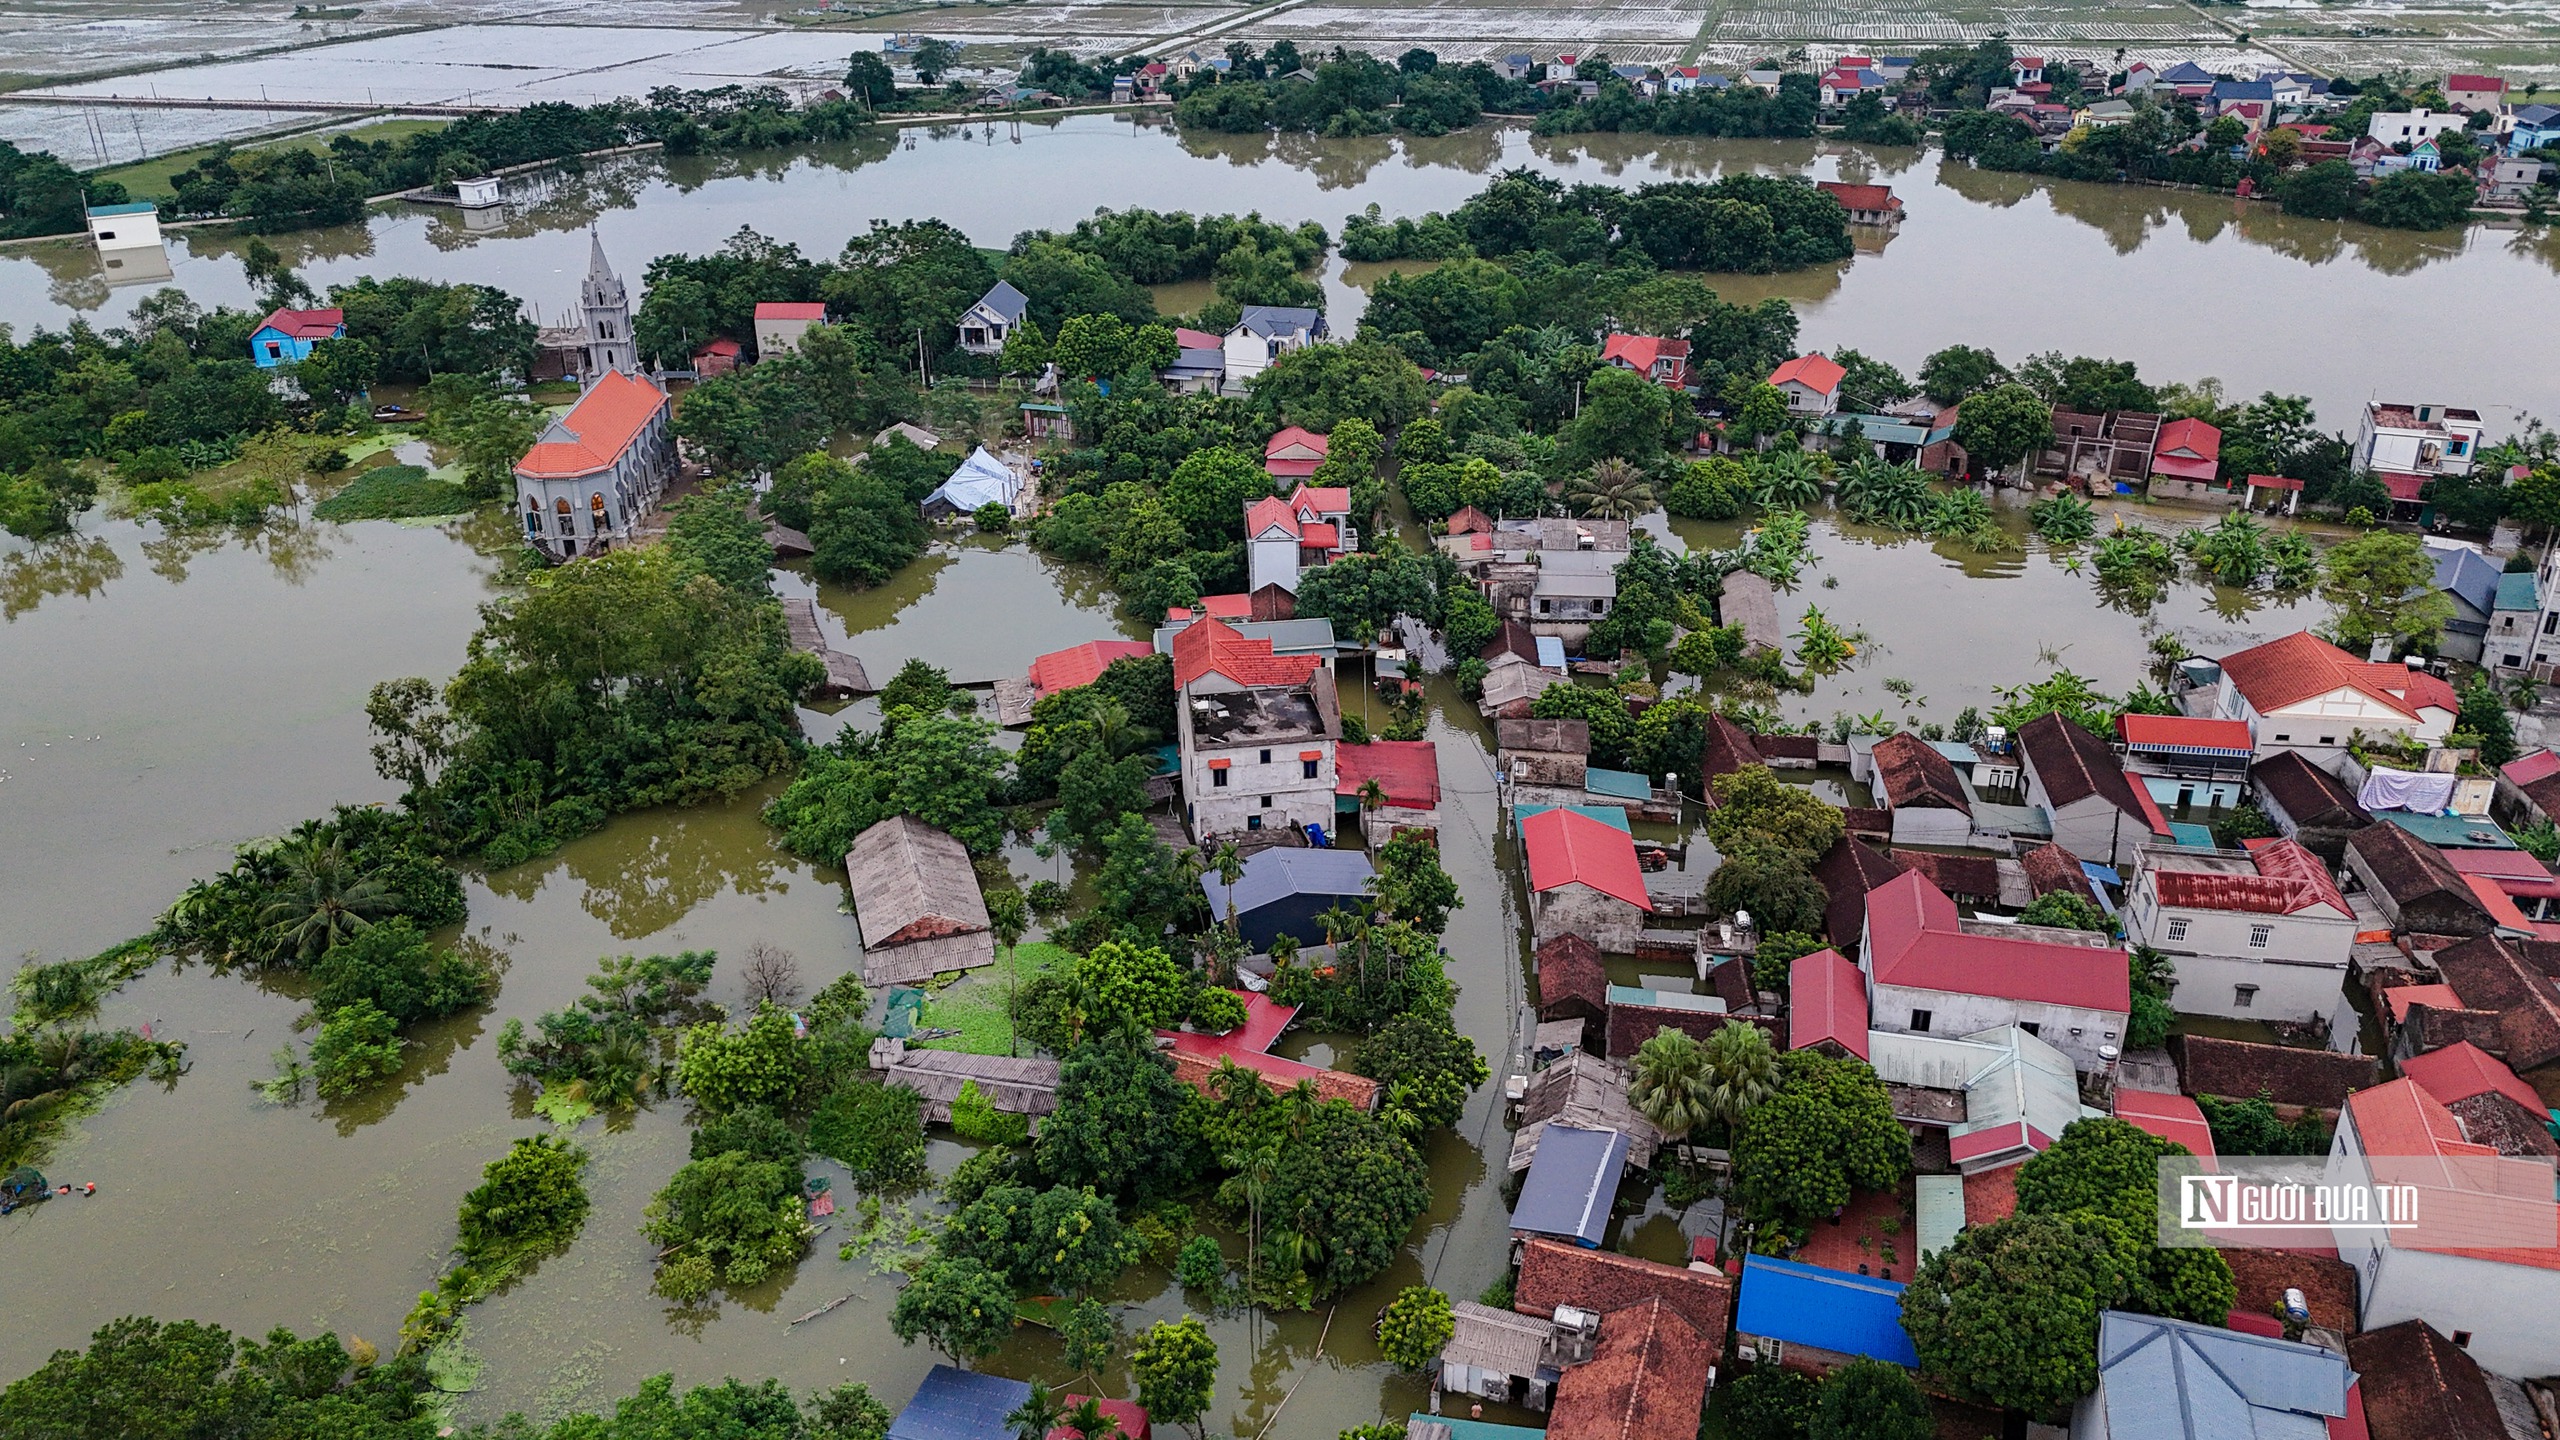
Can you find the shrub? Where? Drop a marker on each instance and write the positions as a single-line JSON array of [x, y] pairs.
[[992, 517], [1416, 1325], [737, 1216], [975, 1117], [1216, 1011], [1201, 1265], [751, 1130], [529, 1200], [874, 1130], [358, 1048]]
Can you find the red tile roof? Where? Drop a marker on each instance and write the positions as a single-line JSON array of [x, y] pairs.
[[2473, 82], [1298, 467], [2174, 1118], [604, 422], [1861, 197], [2418, 1385], [2400, 1119], [1081, 665], [2526, 769], [1189, 339], [2494, 900], [1916, 941], [2461, 1070], [722, 346], [1640, 352], [1647, 1379], [1470, 521], [2401, 484], [2181, 732], [305, 324], [790, 310], [2290, 881], [1212, 646], [2302, 666], [2187, 450], [2516, 871], [1196, 1057], [1314, 501], [1572, 978], [2052, 870], [1567, 848], [1408, 770], [1554, 1273], [1827, 1000], [1817, 372], [1912, 774], [1270, 513]]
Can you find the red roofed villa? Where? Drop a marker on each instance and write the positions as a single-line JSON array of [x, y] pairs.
[[1866, 204], [596, 470], [1929, 971], [1657, 359], [2303, 693], [1583, 879], [1294, 453], [2186, 461], [1811, 384]]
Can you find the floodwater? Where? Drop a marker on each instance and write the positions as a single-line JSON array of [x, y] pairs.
[[165, 700], [2185, 284]]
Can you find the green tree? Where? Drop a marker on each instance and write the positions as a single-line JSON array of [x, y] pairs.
[[874, 1131], [2008, 1315], [2484, 713], [1715, 488], [392, 967], [1624, 415], [2002, 426], [1950, 375], [961, 1307], [1612, 489], [529, 1201], [1176, 1365], [1129, 987], [1209, 490], [1828, 1131], [1124, 1125], [2065, 910], [1741, 1071], [2383, 585], [1320, 385], [1671, 1082], [1769, 1402], [1037, 1415], [1424, 1065], [358, 1048], [1410, 885], [1364, 592], [324, 900], [2108, 1170], [1605, 711], [729, 1219], [1415, 1327], [762, 1063], [1872, 1400]]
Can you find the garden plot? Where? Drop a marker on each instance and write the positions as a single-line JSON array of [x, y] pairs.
[[92, 136]]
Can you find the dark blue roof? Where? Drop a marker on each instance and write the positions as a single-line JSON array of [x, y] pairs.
[[2243, 90], [1284, 871], [1826, 1309], [2188, 72], [2174, 1380], [2470, 576], [1571, 1184], [954, 1404]]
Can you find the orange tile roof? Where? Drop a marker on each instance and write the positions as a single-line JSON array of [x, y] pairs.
[[1817, 372], [2290, 881], [790, 310], [1212, 646], [1081, 665], [601, 425], [305, 324], [2399, 998], [1267, 514], [1861, 197], [2301, 666], [2461, 1070], [1314, 501], [1566, 847], [2172, 1117], [2402, 1119], [1408, 770]]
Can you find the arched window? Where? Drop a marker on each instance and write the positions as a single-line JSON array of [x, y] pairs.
[[596, 512], [561, 504]]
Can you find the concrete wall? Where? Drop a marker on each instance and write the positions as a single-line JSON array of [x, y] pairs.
[[1577, 909], [2074, 1031], [1229, 809], [2164, 789], [2300, 972]]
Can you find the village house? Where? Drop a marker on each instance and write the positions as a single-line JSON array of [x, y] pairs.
[[1583, 879], [1506, 1358], [288, 336], [2413, 885], [1286, 890], [2181, 762], [956, 1404], [2307, 803], [1813, 1319], [1573, 591], [1015, 1085], [1666, 361], [2255, 934], [718, 358], [2405, 446], [1588, 1092], [595, 471], [1573, 984], [1827, 1005], [1558, 1278], [2412, 127], [1543, 754], [2416, 1384], [1930, 971], [2251, 102], [1263, 335], [2290, 1077], [1197, 1058], [1811, 384], [2171, 1116], [1199, 365], [2186, 462], [781, 323], [2490, 1272], [1255, 730], [1407, 776], [1287, 537], [2100, 451], [987, 324], [1866, 204], [1293, 453], [2471, 580], [2001, 1095], [134, 226], [1571, 1185], [2485, 94], [2303, 693], [2478, 1088], [1928, 800], [917, 898], [2098, 813], [1647, 1376], [2163, 1379], [2529, 788], [2518, 981], [2533, 127]]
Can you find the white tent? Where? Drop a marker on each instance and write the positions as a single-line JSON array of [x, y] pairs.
[[980, 478]]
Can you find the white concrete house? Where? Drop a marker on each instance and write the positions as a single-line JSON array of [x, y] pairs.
[[1256, 732], [985, 326], [1263, 335], [2262, 934], [125, 227], [2303, 693], [2394, 127], [2501, 1303], [2423, 440], [2098, 812], [781, 323], [1931, 972], [1811, 384]]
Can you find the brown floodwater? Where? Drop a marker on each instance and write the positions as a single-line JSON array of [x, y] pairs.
[[2186, 284]]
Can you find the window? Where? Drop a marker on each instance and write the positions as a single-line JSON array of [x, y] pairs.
[[2177, 930], [1307, 768], [2243, 996], [2281, 739], [1266, 757], [1266, 802], [1253, 822], [1920, 1021], [2259, 935], [1217, 779], [2462, 1338], [2031, 1027], [2328, 739]]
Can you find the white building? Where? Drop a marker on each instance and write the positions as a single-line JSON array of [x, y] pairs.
[[1263, 335], [2499, 1302], [1930, 972], [985, 326], [2098, 812], [2257, 935], [2421, 440], [2303, 693], [2396, 127], [596, 470], [1811, 384], [781, 323], [1256, 732], [125, 227]]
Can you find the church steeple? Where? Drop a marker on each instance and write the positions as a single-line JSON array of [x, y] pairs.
[[608, 309]]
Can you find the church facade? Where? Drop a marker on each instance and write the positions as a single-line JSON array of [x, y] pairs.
[[597, 470]]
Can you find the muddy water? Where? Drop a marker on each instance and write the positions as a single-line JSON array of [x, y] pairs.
[[2185, 284]]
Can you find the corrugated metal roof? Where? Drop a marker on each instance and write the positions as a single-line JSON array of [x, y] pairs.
[[1571, 1184], [2173, 1380], [1283, 871], [1938, 1201], [1623, 784], [956, 1404], [1826, 1309], [1614, 816]]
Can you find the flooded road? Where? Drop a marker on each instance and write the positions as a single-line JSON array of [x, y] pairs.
[[2185, 284]]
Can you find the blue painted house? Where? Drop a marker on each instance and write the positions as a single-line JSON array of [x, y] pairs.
[[287, 336]]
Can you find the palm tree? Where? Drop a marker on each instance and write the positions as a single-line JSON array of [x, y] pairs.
[[1255, 1170], [1037, 1415], [1670, 1082], [1786, 480], [324, 901], [1742, 1071], [1611, 490], [1089, 1420], [1230, 868]]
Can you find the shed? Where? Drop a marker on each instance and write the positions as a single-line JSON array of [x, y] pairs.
[[1571, 1185], [1937, 1203], [1496, 1355], [1573, 984], [982, 479], [957, 1404], [917, 898], [1581, 1091], [1285, 888], [1016, 1085], [1822, 1318]]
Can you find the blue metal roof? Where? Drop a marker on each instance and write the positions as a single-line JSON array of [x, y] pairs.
[[2470, 576], [1462, 1428], [138, 207], [1826, 1309], [1614, 816], [1617, 782], [1550, 652], [1571, 1184], [1665, 999], [1283, 871], [955, 1404], [2175, 1380]]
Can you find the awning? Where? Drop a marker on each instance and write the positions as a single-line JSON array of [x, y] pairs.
[[1221, 764], [2402, 487], [1310, 754]]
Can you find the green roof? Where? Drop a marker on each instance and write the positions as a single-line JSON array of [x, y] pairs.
[[1939, 1201], [138, 207], [2515, 591], [2450, 832], [1617, 782]]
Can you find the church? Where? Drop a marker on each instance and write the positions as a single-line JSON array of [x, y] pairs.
[[597, 470]]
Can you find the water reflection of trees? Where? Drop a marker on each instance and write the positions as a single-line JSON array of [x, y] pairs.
[[428, 1053], [70, 565], [643, 873]]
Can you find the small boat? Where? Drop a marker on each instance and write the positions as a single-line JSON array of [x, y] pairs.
[[396, 415]]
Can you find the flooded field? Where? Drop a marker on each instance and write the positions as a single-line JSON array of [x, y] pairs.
[[2184, 284]]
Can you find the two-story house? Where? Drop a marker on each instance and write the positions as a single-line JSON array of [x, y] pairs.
[[781, 323], [2260, 934], [1265, 333], [596, 470], [2533, 127], [985, 326], [2098, 813], [2468, 93], [1255, 731], [2181, 761], [1573, 591], [1930, 971], [2303, 693], [2405, 446], [1811, 384], [1666, 361], [2413, 127], [1285, 537]]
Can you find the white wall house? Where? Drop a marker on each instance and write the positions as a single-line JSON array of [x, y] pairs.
[[781, 323], [1263, 335], [1811, 384], [2074, 777], [1929, 972], [985, 326], [2502, 1304], [125, 227], [2395, 127], [1256, 732], [2424, 439], [2303, 693], [2256, 935]]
